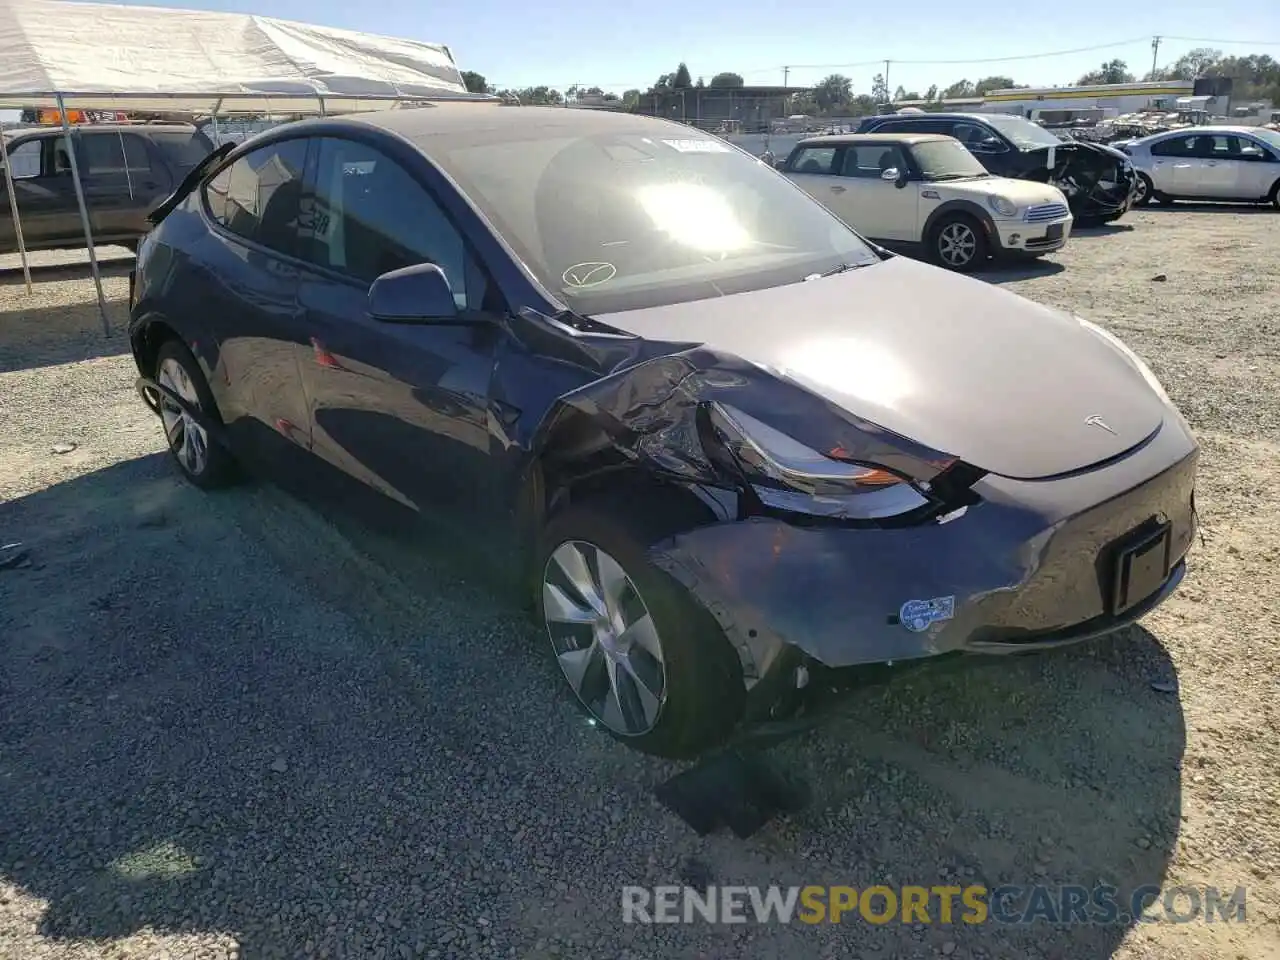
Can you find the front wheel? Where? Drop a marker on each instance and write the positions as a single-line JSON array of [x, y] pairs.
[[205, 463], [1144, 191], [646, 661], [1274, 196], [959, 243]]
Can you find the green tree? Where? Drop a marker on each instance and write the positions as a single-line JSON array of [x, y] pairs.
[[987, 84], [1192, 64], [961, 88], [932, 92], [1114, 71], [476, 83], [879, 89], [631, 98], [833, 93], [727, 80], [681, 80]]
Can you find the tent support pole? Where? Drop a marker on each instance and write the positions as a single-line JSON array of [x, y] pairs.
[[84, 216], [13, 211], [322, 113], [217, 141]]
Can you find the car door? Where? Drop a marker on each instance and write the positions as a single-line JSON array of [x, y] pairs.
[[45, 192], [401, 407], [1259, 168], [119, 180], [815, 170], [1221, 174], [878, 208], [243, 287], [1175, 169]]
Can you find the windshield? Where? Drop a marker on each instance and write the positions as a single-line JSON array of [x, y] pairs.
[[946, 160], [1024, 134], [1270, 137], [647, 216]]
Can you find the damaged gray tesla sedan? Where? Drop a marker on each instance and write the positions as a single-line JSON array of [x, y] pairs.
[[731, 445]]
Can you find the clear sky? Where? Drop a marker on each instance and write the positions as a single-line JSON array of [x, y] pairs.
[[616, 46]]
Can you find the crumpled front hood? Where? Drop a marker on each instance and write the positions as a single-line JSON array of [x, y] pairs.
[[956, 364]]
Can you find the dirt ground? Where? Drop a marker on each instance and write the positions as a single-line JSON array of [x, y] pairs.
[[232, 727]]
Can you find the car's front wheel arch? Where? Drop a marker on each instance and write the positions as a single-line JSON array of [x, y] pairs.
[[701, 690]]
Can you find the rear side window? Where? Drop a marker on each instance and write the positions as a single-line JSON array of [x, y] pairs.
[[814, 160], [257, 197], [1172, 147], [183, 149], [24, 159], [111, 152], [869, 160]]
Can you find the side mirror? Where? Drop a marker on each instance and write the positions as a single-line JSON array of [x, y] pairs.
[[890, 174], [986, 145], [416, 294]]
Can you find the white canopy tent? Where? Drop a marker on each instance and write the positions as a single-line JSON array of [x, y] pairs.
[[91, 56]]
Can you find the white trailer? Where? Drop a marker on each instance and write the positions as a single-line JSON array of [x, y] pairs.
[[1115, 98]]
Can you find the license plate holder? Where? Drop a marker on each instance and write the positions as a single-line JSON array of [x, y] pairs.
[[1053, 232], [1141, 567]]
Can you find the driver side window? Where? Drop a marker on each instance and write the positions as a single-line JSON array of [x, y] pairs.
[[371, 217]]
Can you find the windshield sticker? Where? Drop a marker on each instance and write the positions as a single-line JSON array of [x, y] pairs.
[[589, 274], [698, 146]]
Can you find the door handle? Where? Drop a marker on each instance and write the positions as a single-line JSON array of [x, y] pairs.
[[837, 189]]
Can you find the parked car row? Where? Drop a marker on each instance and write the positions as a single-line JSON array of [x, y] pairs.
[[963, 188], [725, 448]]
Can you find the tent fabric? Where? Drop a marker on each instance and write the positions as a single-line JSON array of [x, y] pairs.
[[113, 57]]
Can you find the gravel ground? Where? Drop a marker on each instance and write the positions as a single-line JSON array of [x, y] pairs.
[[235, 728]]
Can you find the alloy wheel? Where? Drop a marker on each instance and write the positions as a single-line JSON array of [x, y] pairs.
[[604, 638], [1140, 191], [187, 439], [957, 244]]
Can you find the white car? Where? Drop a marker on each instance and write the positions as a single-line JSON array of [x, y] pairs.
[[1240, 164], [927, 191]]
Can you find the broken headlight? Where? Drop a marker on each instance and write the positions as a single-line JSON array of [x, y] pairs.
[[787, 475]]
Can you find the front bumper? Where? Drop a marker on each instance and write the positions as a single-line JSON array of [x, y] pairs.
[[1018, 237], [1024, 569]]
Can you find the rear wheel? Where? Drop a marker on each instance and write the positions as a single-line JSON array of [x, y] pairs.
[[959, 243], [204, 462], [1274, 196], [646, 661]]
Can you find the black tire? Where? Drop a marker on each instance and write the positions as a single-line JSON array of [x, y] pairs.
[[703, 689], [1274, 195], [1163, 199], [946, 238], [1148, 191], [218, 468]]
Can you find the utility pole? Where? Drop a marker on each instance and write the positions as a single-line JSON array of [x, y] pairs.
[[1155, 53], [888, 91], [786, 74]]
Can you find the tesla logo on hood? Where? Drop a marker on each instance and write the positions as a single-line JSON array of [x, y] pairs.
[[1097, 421]]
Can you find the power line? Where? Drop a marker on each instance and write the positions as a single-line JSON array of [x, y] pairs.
[[1247, 43]]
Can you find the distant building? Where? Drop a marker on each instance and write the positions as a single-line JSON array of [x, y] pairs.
[[1115, 98]]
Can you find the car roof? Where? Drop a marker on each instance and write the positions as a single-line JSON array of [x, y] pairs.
[[838, 139], [462, 124], [941, 116], [1205, 129]]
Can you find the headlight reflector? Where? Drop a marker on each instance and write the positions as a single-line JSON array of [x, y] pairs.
[[788, 475], [1002, 205]]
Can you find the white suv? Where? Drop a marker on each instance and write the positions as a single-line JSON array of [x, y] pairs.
[[927, 191]]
